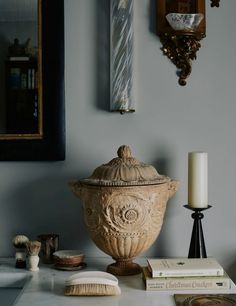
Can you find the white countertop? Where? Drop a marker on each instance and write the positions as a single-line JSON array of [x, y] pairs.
[[46, 287]]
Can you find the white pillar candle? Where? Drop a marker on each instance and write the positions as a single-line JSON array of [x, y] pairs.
[[197, 179]]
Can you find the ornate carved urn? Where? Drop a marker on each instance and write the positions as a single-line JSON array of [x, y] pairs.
[[124, 204]]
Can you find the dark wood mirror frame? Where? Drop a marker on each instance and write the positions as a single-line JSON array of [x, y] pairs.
[[51, 144]]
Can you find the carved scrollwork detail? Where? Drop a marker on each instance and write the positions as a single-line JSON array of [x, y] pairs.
[[133, 214], [181, 50], [125, 221], [92, 214], [125, 213]]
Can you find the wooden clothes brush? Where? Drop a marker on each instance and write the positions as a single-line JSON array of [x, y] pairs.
[[92, 283]]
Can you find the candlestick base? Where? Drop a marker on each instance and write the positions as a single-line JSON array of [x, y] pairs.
[[197, 247]]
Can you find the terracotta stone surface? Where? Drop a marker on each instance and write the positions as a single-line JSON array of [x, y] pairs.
[[124, 220]]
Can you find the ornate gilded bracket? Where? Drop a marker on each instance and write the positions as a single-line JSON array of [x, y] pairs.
[[181, 49], [215, 3]]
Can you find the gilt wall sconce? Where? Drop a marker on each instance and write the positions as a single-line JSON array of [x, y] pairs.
[[121, 56], [181, 25]]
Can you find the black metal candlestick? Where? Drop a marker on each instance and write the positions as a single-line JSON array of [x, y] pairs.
[[197, 247]]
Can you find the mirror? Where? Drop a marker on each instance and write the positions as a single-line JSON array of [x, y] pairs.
[[32, 80]]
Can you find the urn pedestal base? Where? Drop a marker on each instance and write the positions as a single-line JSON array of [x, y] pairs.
[[124, 267]]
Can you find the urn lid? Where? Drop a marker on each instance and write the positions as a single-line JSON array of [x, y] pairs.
[[125, 170]]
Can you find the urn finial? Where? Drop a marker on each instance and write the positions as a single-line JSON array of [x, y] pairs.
[[124, 152]]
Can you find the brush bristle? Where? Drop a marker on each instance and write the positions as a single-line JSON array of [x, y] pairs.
[[33, 247], [92, 289]]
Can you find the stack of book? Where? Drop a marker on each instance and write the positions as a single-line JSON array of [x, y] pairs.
[[184, 274]]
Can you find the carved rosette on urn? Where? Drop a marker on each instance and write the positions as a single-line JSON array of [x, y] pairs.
[[124, 204]]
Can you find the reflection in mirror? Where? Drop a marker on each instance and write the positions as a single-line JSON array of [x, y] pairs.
[[32, 124], [20, 72]]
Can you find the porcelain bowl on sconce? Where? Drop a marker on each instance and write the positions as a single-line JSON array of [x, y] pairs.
[[184, 22]]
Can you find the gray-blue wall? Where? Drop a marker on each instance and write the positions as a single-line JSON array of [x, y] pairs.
[[169, 122]]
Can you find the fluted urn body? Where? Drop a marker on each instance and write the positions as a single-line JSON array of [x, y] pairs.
[[124, 204]]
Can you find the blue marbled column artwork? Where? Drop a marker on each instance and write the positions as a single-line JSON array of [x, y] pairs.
[[121, 69]]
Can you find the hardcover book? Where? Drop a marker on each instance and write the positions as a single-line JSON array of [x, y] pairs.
[[205, 299], [184, 267], [184, 283]]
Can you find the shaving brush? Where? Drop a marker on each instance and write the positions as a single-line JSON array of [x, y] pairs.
[[33, 248], [19, 242]]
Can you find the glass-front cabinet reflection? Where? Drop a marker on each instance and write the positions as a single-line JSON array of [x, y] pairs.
[[20, 74], [21, 109]]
